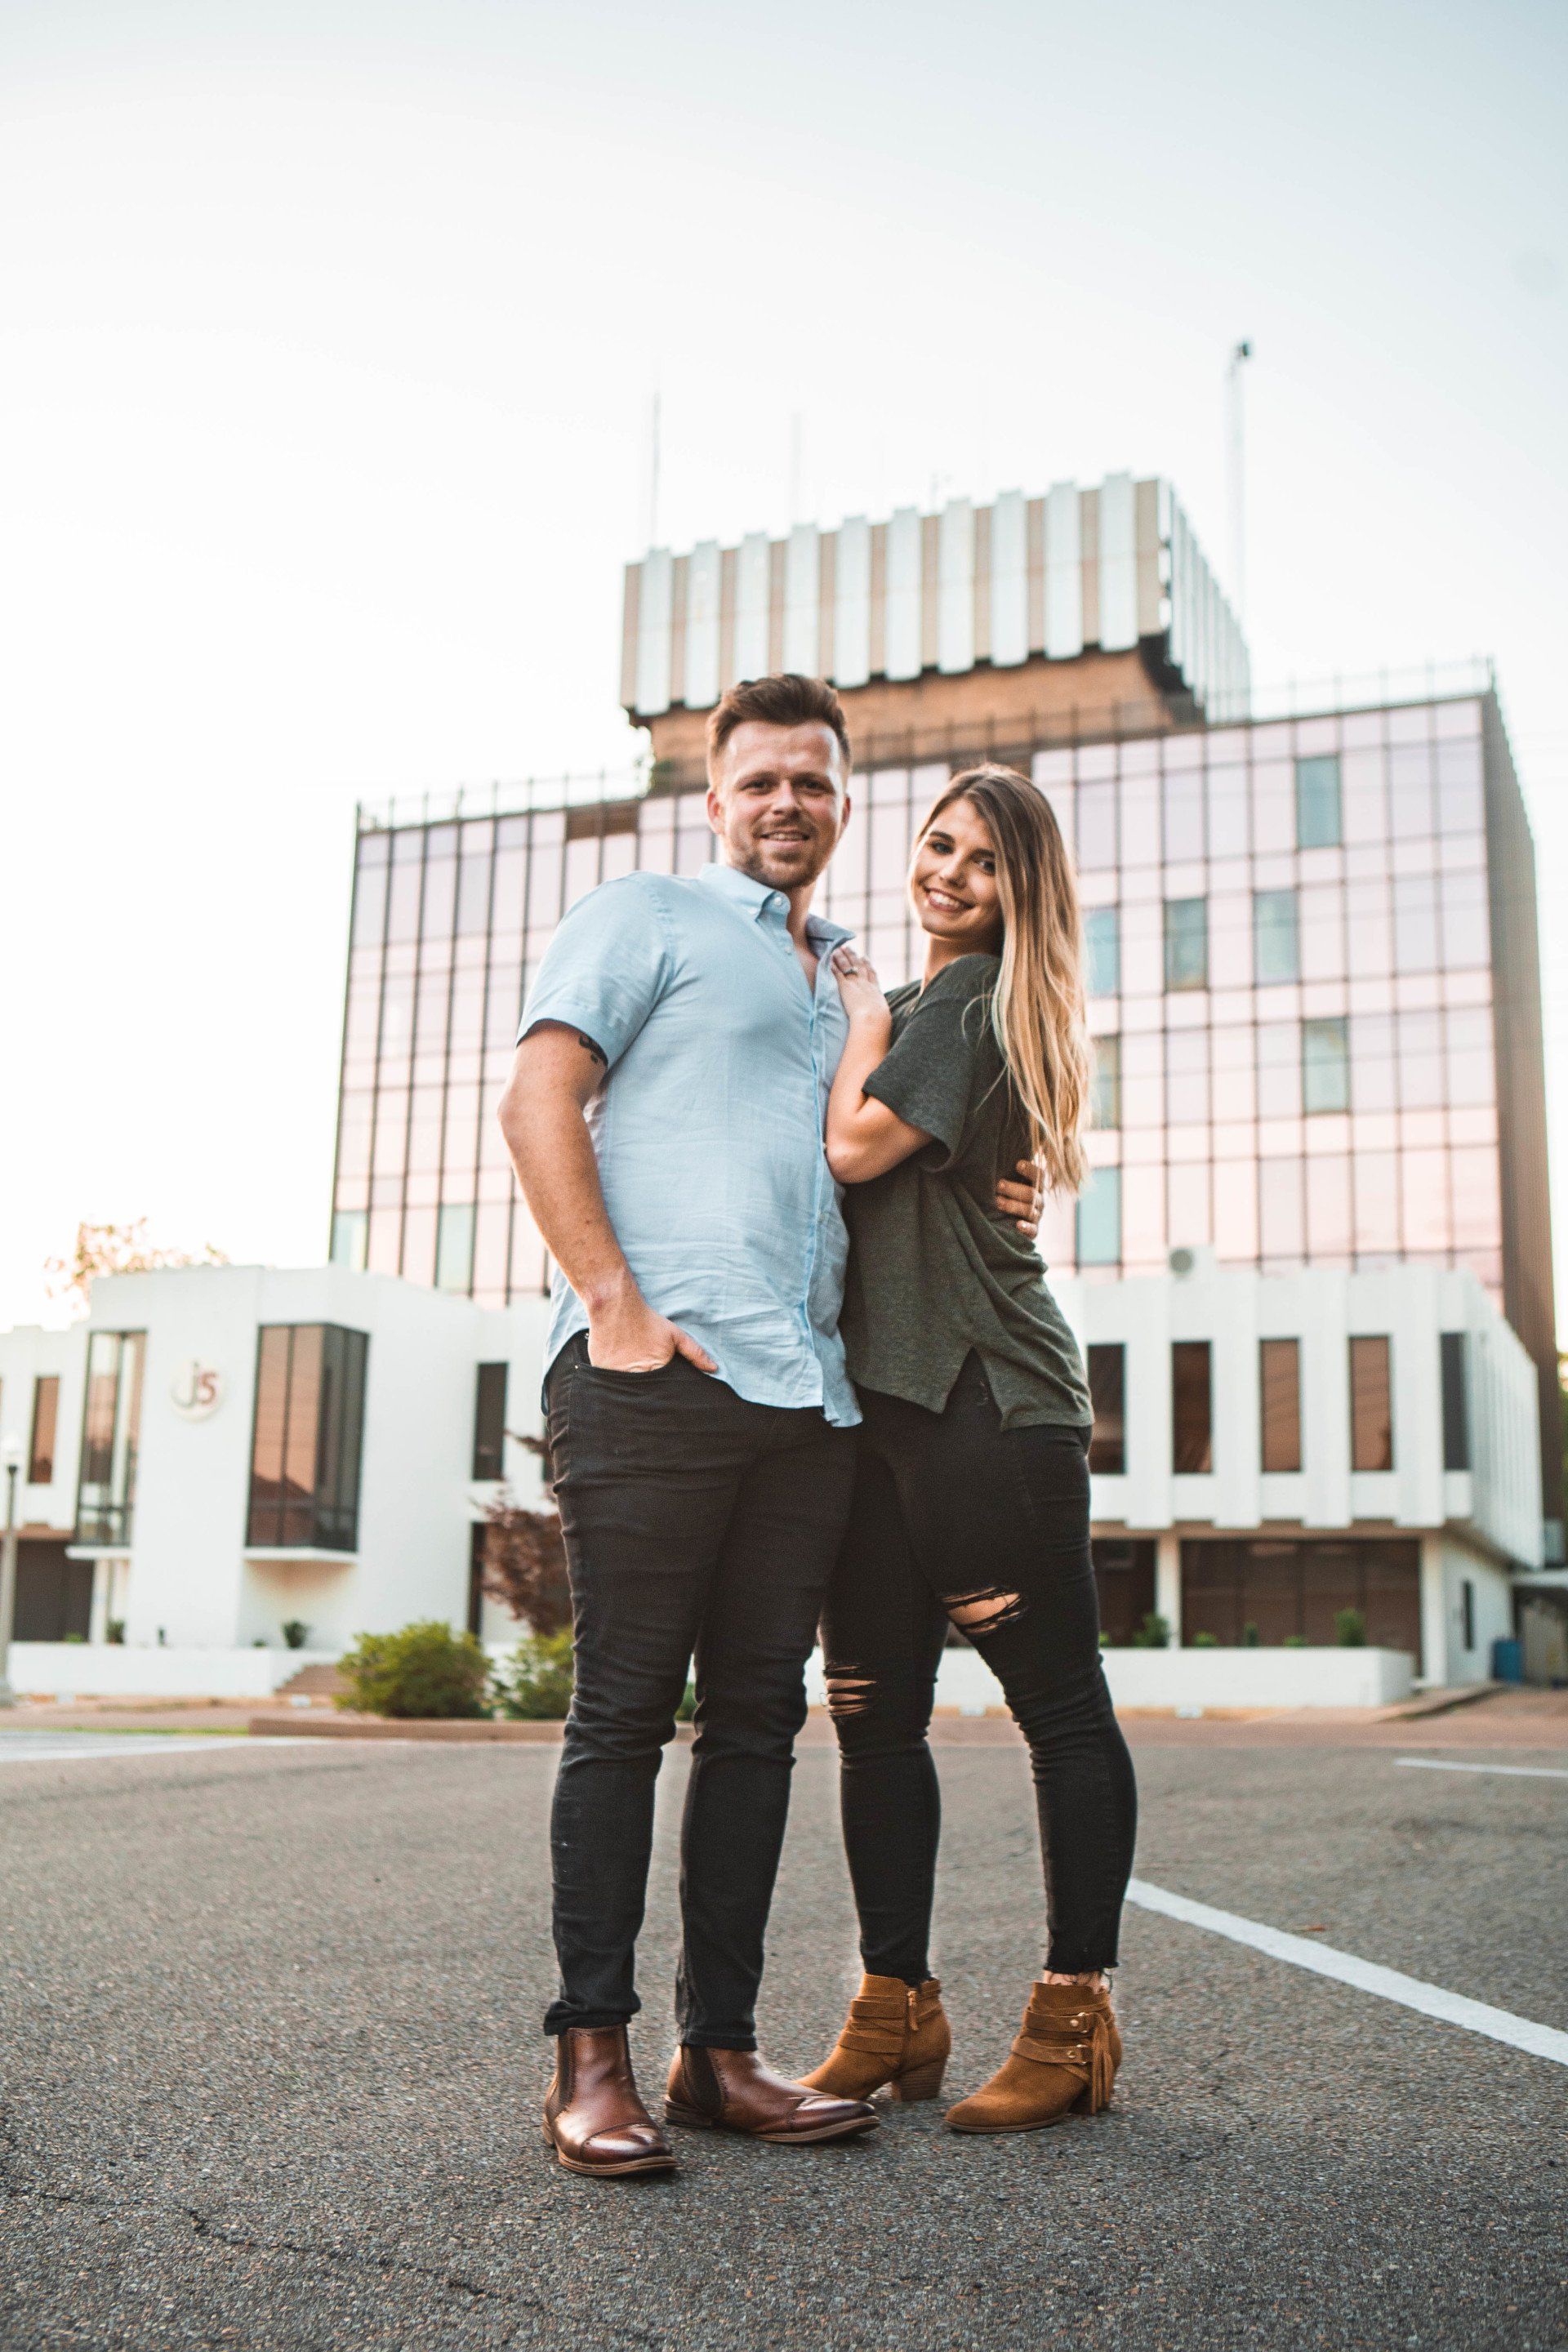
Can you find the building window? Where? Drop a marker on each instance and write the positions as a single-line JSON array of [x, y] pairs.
[[455, 1248], [1279, 1369], [1124, 1580], [350, 1229], [1317, 803], [1100, 1218], [1105, 1083], [1108, 1394], [308, 1438], [1468, 1611], [46, 1415], [489, 1422], [1192, 1407], [1325, 1065], [1371, 1406], [112, 1422], [1102, 950], [1456, 1401], [1276, 937], [1271, 1590], [1187, 943]]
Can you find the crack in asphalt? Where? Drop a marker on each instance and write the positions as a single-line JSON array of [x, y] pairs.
[[244, 2242]]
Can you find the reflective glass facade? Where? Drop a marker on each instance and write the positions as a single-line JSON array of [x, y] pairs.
[[1294, 932], [307, 1438], [112, 1428]]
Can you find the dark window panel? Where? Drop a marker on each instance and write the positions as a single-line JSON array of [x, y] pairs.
[[1187, 943], [1107, 1388], [307, 1438], [1280, 1364], [1102, 950], [1276, 937], [106, 1486], [489, 1422], [1456, 1401], [1192, 1411], [1317, 803], [302, 1431], [1286, 1586], [357, 1349], [46, 1415], [1325, 1065], [1371, 1405], [1105, 1083], [267, 1438], [1124, 1582], [1099, 1218]]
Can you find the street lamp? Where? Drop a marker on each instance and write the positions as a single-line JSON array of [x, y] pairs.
[[11, 1457]]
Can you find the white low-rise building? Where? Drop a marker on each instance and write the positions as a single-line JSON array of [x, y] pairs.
[[221, 1452]]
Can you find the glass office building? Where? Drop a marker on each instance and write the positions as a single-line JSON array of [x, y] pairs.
[[1312, 961]]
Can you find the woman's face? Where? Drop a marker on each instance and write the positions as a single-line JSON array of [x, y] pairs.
[[952, 881]]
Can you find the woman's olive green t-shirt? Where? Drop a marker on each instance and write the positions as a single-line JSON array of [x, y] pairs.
[[934, 1271]]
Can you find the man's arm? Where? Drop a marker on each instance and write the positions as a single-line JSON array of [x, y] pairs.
[[554, 1074]]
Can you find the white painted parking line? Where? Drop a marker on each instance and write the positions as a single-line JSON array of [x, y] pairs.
[[1367, 1976], [1514, 1771], [64, 1747]]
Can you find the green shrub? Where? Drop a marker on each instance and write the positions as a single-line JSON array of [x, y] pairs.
[[1350, 1629], [1294, 1642], [1154, 1633], [424, 1670], [686, 1711], [115, 1631], [1251, 1639], [294, 1632], [1205, 1642], [533, 1684]]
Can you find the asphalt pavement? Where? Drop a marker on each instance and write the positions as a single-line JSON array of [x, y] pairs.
[[270, 2070]]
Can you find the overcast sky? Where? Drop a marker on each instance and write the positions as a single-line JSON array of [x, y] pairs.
[[328, 337]]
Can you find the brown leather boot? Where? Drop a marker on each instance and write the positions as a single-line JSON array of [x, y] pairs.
[[896, 2037], [594, 2118], [732, 2090], [1064, 2061]]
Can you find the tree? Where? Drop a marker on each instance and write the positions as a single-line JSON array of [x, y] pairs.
[[116, 1249], [524, 1563]]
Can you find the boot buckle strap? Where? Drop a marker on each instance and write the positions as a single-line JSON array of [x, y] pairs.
[[1053, 2053]]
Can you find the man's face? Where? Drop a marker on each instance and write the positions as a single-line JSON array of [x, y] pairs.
[[779, 802]]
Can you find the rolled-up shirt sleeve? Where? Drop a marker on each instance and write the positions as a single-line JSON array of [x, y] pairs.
[[927, 1078], [606, 968]]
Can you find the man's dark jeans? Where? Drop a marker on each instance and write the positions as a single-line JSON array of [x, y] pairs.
[[696, 1522]]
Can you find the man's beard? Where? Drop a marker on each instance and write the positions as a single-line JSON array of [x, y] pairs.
[[774, 860]]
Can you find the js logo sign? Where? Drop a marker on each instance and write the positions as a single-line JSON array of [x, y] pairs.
[[196, 1390]]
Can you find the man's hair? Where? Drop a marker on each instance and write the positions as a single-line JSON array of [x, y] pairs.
[[788, 700]]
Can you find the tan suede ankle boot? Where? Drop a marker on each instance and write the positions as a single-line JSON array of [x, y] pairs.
[[1064, 2061], [896, 2037]]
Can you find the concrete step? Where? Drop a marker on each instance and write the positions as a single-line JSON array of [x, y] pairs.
[[312, 1682]]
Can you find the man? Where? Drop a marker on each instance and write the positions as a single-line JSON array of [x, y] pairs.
[[665, 1116]]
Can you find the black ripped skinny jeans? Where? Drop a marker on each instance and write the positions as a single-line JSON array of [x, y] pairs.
[[951, 1513]]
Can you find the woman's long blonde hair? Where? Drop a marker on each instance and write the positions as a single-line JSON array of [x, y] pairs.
[[1037, 1005]]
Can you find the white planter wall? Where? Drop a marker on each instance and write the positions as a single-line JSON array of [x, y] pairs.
[[112, 1670], [1168, 1678]]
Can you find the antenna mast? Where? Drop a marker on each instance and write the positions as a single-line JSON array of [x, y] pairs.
[[1236, 473]]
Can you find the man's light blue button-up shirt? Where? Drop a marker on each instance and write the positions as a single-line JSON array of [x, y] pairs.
[[708, 1127]]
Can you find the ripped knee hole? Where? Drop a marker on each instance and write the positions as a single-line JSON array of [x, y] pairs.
[[848, 1693], [983, 1613]]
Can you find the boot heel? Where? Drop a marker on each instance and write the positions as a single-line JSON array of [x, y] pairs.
[[917, 2082]]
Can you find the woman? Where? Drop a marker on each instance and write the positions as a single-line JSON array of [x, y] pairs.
[[971, 1496]]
